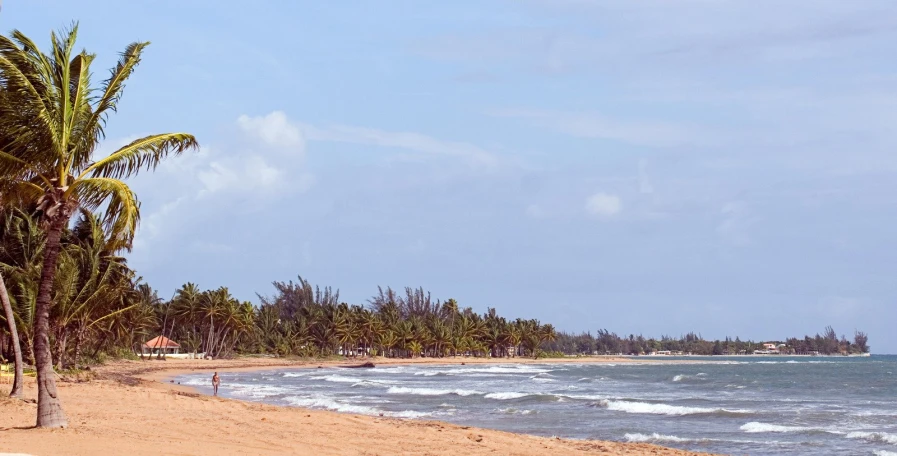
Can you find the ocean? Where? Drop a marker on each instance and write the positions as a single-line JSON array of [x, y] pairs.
[[731, 405]]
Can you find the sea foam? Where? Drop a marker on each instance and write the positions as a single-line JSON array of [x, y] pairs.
[[430, 391], [758, 427], [655, 437], [505, 396], [664, 409]]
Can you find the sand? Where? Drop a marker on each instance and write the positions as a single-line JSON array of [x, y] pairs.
[[131, 408]]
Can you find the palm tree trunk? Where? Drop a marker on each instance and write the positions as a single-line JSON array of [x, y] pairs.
[[49, 409], [16, 345]]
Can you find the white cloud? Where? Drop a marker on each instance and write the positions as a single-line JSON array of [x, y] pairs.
[[273, 129], [239, 174], [603, 205], [152, 225], [402, 140]]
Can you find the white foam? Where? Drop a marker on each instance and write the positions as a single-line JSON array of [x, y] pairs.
[[338, 378], [757, 427], [512, 411], [295, 374], [876, 437], [430, 391], [884, 453], [331, 404], [513, 369], [505, 396], [678, 378], [655, 437], [662, 409]]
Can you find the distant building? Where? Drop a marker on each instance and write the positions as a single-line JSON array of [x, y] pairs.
[[161, 345]]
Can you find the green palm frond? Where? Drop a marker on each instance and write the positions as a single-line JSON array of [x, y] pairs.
[[122, 209], [26, 105], [144, 153], [112, 88]]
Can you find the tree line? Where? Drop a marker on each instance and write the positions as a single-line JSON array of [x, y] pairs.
[[608, 343]]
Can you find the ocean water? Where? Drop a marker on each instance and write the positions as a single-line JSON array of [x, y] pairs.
[[739, 405]]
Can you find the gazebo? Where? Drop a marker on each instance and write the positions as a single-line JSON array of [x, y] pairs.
[[161, 345]]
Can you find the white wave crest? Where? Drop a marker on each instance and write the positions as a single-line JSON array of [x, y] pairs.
[[295, 374], [662, 409], [756, 427], [505, 396], [330, 404], [876, 437], [655, 437], [512, 369], [327, 403], [337, 378], [884, 453], [430, 391], [512, 411]]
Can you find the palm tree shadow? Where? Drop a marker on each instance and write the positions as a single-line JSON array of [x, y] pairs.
[[18, 428]]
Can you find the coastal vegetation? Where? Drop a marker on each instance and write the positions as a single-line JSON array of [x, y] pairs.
[[606, 343]]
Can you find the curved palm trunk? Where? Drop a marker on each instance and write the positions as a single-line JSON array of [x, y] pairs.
[[16, 346], [49, 409]]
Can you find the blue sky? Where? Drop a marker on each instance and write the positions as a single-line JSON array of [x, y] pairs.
[[654, 167]]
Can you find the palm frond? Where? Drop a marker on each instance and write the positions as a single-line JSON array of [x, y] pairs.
[[122, 212], [143, 153], [83, 141], [112, 88], [27, 114]]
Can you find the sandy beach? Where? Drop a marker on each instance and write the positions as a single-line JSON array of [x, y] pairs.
[[130, 407]]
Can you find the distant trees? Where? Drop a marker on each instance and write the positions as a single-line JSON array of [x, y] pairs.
[[608, 343]]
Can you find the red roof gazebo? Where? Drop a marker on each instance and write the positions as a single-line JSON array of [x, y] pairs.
[[161, 345]]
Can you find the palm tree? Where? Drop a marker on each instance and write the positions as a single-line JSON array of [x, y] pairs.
[[20, 254], [51, 121], [14, 335]]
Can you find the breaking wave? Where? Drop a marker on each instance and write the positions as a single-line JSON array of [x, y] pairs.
[[506, 396], [430, 391], [665, 409]]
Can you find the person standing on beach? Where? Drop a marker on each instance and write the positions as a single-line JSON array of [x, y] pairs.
[[215, 382]]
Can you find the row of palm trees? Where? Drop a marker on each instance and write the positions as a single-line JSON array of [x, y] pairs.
[[394, 328], [214, 323]]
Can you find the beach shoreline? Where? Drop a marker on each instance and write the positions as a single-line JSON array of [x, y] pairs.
[[136, 407]]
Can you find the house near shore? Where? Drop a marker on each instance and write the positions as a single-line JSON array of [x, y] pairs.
[[770, 349], [161, 345]]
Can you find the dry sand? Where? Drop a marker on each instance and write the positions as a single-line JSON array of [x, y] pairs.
[[131, 408]]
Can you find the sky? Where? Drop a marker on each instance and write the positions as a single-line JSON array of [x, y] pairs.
[[649, 167]]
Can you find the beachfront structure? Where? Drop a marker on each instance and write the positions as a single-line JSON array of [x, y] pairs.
[[161, 345]]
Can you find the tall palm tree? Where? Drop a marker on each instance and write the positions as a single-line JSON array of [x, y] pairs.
[[52, 120]]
